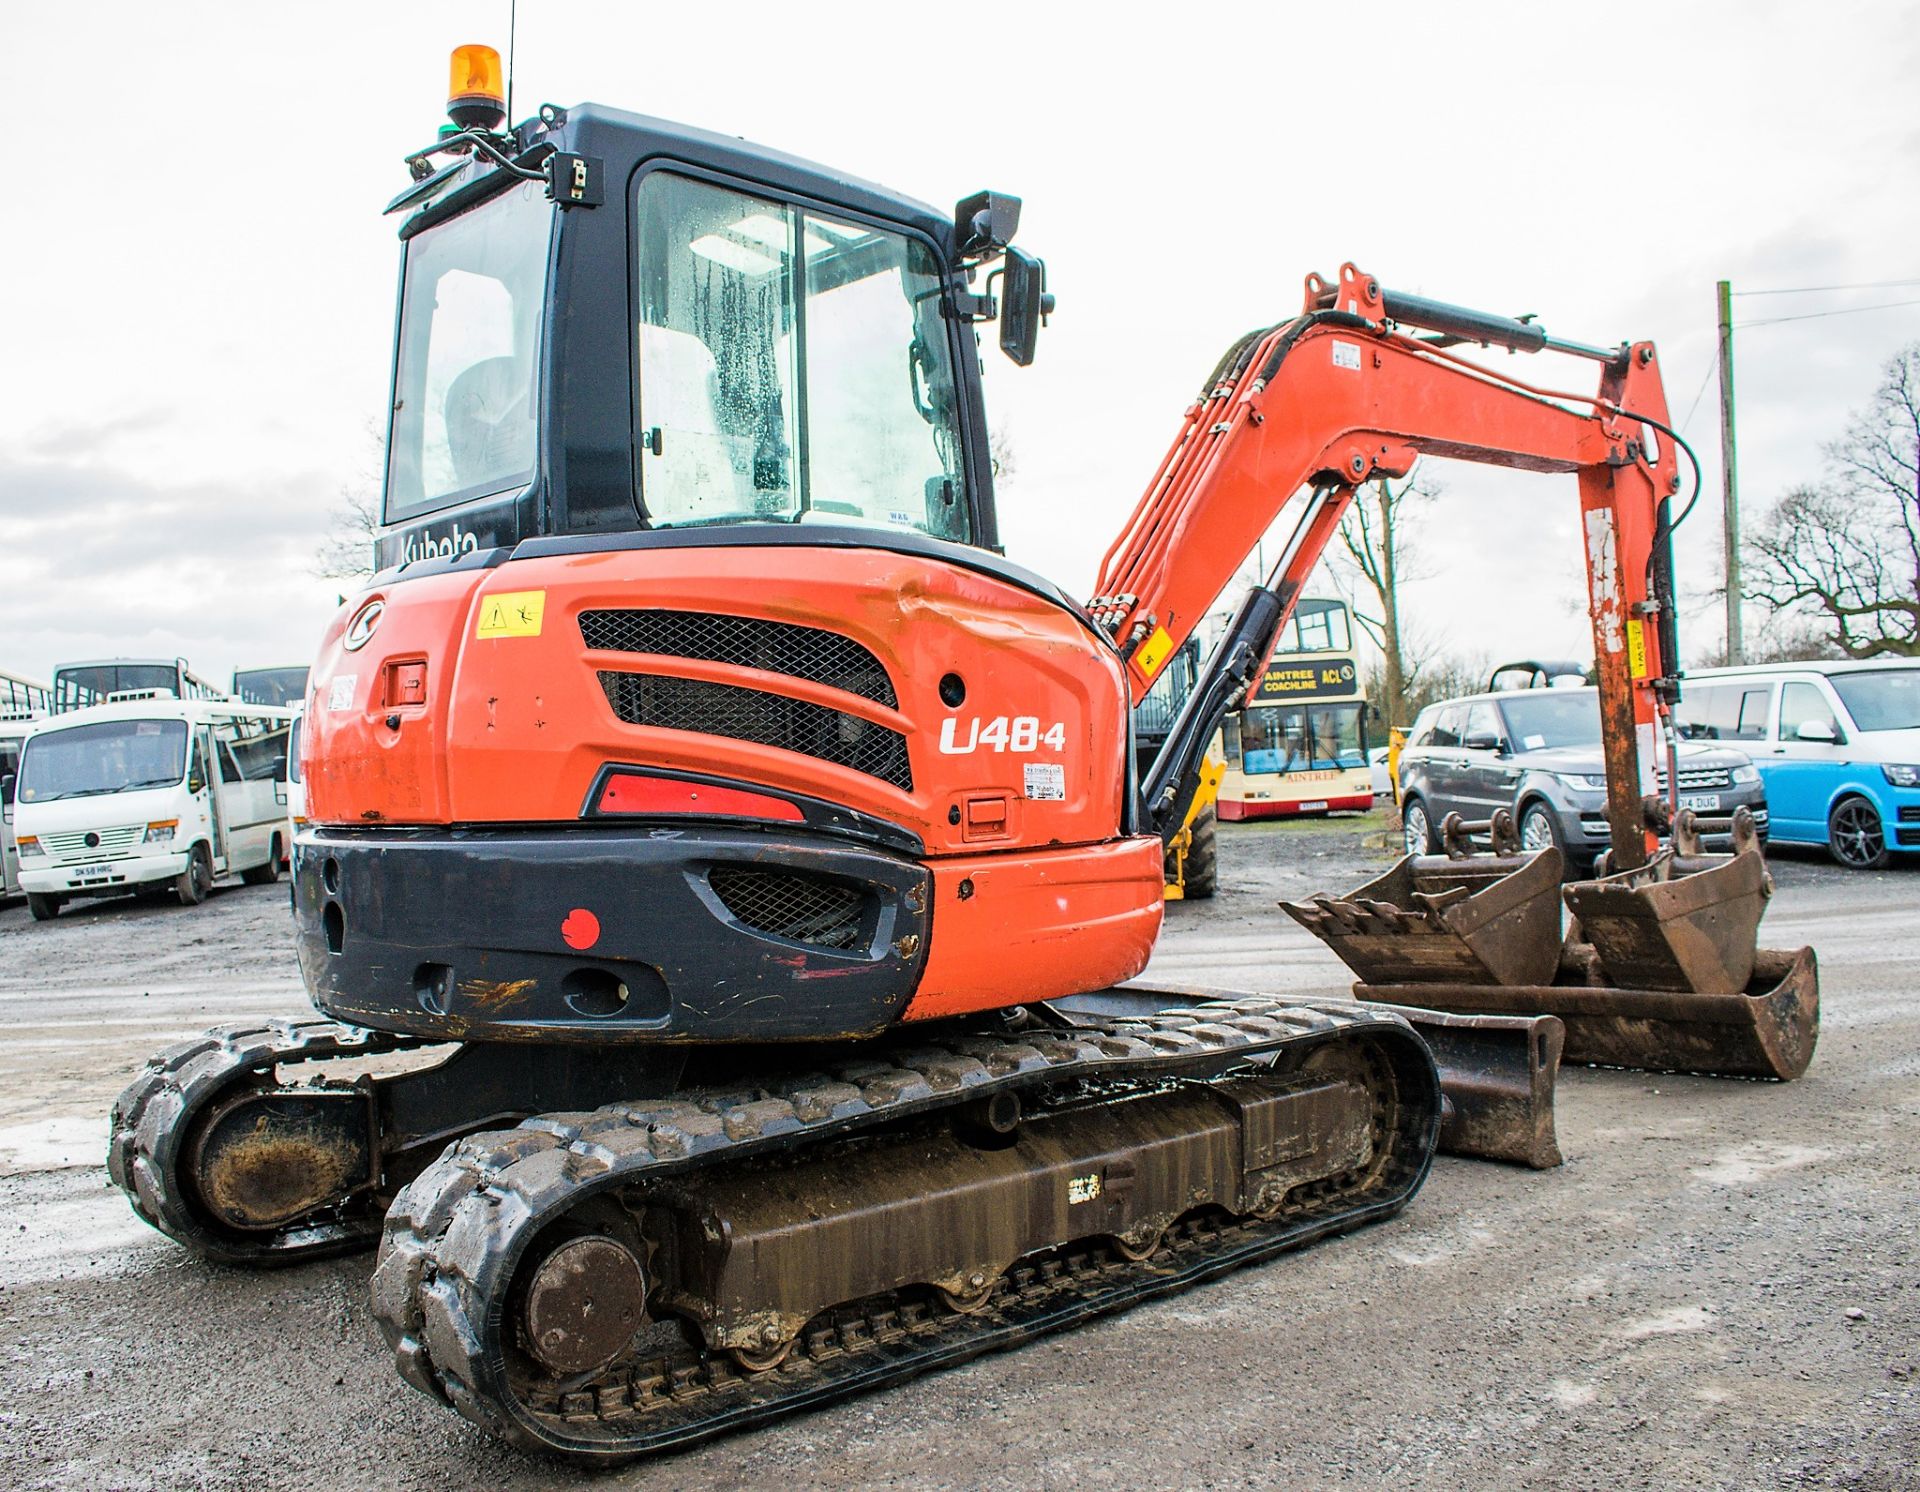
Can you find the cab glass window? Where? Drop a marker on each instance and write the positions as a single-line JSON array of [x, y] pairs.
[[1800, 704], [1750, 715], [792, 368], [1316, 627], [1884, 699], [1483, 725], [464, 378], [1446, 726]]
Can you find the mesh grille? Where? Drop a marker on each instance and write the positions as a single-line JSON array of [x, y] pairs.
[[1696, 777], [748, 642], [807, 909], [770, 719]]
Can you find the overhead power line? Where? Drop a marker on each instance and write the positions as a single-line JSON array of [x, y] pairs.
[[1890, 305], [1823, 289], [1696, 398]]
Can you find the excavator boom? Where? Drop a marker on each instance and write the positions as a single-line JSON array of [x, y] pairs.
[[1346, 393]]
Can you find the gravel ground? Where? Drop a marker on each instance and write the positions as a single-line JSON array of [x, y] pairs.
[[1721, 1289]]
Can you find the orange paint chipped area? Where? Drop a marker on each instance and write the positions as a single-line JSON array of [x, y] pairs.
[[1008, 930], [491, 993]]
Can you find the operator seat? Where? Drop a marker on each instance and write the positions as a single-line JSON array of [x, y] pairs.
[[489, 421]]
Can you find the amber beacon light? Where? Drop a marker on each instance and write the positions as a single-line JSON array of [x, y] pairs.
[[476, 93]]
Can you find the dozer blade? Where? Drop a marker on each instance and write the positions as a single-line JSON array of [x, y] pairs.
[[1497, 1072], [1457, 918], [1685, 921], [1768, 1030]]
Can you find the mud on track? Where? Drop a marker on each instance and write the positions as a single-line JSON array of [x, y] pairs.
[[1670, 1308]]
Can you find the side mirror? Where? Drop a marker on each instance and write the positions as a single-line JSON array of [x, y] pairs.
[[1024, 304], [196, 785], [1482, 740], [1817, 730], [6, 791]]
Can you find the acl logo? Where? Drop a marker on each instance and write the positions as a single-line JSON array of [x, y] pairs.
[[1022, 733]]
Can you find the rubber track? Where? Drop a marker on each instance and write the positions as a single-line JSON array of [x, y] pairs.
[[456, 1233], [153, 1118]]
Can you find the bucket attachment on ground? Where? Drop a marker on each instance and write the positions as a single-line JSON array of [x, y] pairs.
[[1686, 921], [1458, 918], [1497, 1075], [1768, 1030], [1497, 1072]]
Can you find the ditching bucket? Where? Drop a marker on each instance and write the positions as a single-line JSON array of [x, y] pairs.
[[1685, 921], [1497, 1072], [1767, 1030], [1457, 918]]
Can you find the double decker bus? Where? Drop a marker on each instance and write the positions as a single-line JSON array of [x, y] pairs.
[[1299, 743], [99, 681]]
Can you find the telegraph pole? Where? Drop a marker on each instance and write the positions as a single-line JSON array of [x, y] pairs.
[[1730, 485]]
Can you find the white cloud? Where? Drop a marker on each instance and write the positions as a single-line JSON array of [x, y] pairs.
[[196, 293]]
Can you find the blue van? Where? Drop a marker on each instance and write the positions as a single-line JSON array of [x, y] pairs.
[[1837, 745]]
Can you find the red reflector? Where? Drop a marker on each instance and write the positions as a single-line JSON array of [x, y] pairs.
[[631, 793]]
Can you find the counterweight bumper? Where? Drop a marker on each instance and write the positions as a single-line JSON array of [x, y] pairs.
[[641, 933]]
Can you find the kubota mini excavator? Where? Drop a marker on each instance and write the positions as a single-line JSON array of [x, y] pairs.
[[698, 775]]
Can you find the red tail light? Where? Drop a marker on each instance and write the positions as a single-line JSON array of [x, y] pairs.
[[632, 792]]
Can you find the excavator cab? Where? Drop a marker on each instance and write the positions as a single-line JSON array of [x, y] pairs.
[[714, 334]]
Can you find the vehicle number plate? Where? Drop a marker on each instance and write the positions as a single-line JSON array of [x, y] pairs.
[[89, 872], [1319, 807], [1700, 802]]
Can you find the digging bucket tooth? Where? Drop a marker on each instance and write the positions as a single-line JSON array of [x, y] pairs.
[[1457, 918], [1685, 922]]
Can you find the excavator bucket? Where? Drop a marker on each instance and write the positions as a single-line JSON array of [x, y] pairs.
[[1455, 918], [1497, 1072], [1686, 921], [1659, 970], [1766, 1030]]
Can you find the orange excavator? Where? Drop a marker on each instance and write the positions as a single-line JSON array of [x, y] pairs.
[[705, 816]]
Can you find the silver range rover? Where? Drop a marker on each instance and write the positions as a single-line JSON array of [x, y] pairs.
[[1537, 751]]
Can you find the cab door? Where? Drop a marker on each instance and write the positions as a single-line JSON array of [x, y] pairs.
[[1804, 762], [203, 786], [1486, 776], [9, 855]]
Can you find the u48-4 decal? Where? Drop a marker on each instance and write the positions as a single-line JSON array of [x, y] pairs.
[[1018, 733]]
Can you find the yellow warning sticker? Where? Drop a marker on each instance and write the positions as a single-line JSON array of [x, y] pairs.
[[1637, 648], [511, 614], [1153, 652]]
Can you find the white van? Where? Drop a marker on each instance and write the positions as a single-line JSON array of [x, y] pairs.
[[12, 733], [23, 702], [151, 792], [1837, 744]]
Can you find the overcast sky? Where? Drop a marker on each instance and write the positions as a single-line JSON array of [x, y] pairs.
[[196, 284]]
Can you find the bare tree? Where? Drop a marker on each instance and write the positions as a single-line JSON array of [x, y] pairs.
[[1844, 553], [1374, 535], [346, 553]]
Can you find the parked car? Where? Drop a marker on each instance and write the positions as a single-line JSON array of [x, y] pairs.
[[1837, 744], [1537, 751], [1379, 775]]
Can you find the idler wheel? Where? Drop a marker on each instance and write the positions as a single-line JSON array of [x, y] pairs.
[[584, 1303]]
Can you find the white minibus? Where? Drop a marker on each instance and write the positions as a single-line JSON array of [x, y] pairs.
[[22, 703], [151, 793]]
